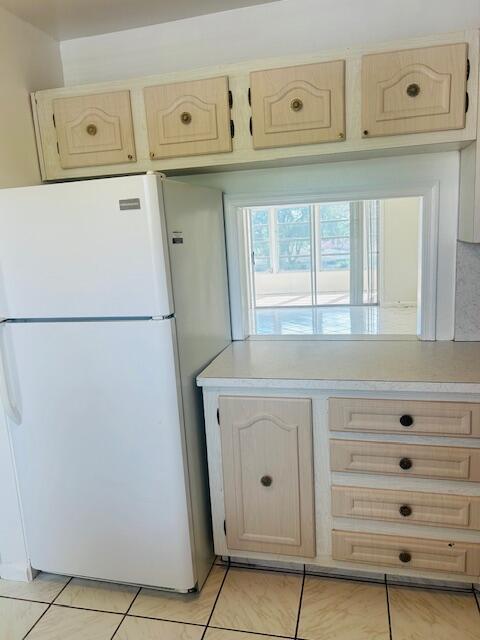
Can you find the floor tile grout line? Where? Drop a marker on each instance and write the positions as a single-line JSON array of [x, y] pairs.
[[215, 603], [388, 609], [48, 608], [476, 595], [124, 617], [249, 632], [300, 603], [191, 624]]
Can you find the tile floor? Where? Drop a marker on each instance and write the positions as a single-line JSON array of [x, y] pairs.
[[236, 604]]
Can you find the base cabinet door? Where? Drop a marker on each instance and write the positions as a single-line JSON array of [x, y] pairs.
[[94, 129], [414, 90], [298, 105], [268, 474], [188, 118]]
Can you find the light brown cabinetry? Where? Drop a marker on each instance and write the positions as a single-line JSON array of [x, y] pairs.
[[461, 419], [298, 105], [407, 507], [94, 129], [188, 118], [414, 90], [426, 461], [402, 551], [267, 462]]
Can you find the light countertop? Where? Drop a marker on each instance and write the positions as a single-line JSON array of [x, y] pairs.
[[362, 365]]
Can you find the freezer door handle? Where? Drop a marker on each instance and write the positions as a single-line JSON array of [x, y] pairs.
[[10, 409]]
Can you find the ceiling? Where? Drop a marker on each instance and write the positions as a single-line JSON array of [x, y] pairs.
[[65, 19]]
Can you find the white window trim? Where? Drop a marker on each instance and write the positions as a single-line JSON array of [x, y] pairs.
[[428, 252]]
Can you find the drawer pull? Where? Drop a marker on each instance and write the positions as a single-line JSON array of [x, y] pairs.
[[406, 420], [266, 481], [405, 463], [405, 510], [405, 557]]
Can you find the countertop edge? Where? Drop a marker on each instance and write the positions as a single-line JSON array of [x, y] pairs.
[[349, 385]]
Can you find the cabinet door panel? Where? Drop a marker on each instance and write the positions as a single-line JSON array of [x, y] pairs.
[[188, 118], [298, 105], [450, 463], [268, 474], [94, 129], [414, 90], [406, 507], [404, 416], [406, 552]]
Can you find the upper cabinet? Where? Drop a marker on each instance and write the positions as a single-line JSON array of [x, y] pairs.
[[298, 105], [414, 90], [188, 118], [94, 129]]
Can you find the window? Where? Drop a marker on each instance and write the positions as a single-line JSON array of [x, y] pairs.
[[323, 267]]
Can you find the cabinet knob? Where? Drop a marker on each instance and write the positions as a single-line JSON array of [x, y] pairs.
[[405, 510], [266, 481], [406, 420], [186, 117], [405, 557], [413, 90], [405, 463], [296, 104], [92, 129]]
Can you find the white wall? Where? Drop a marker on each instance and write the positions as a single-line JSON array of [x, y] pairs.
[[399, 251], [280, 28], [29, 60]]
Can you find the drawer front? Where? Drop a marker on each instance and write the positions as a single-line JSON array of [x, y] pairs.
[[188, 118], [94, 129], [414, 90], [407, 507], [267, 461], [298, 105], [404, 416], [406, 552], [450, 463]]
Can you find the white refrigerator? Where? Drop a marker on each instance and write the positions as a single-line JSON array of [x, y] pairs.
[[113, 296]]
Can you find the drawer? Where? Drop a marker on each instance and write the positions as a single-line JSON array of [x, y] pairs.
[[406, 552], [450, 463], [94, 129], [298, 105], [414, 90], [188, 118], [460, 419], [407, 507]]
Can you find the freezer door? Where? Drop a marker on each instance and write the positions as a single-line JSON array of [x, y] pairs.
[[94, 248], [99, 450]]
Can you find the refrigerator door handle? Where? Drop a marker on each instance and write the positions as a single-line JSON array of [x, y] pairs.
[[10, 409]]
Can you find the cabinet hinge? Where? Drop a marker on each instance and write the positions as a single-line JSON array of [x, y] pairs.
[[232, 128], [467, 101], [230, 99], [468, 68], [58, 149], [250, 126], [218, 416], [225, 527], [249, 96], [53, 118]]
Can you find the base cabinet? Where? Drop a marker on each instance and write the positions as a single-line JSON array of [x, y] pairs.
[[268, 474], [346, 482]]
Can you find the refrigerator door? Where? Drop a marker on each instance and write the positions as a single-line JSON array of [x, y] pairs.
[[95, 248], [99, 449]]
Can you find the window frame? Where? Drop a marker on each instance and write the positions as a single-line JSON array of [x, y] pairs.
[[434, 177]]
